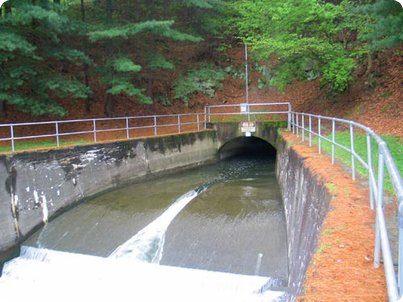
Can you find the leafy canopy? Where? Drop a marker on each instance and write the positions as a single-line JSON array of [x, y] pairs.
[[295, 33]]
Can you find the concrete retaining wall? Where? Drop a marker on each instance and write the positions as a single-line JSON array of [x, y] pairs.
[[37, 185], [306, 203]]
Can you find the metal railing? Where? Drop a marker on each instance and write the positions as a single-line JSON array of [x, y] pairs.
[[252, 111], [308, 125], [92, 129], [303, 125]]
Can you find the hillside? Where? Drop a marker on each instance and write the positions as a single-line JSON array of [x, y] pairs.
[[376, 101]]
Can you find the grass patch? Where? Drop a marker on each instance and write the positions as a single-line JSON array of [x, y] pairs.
[[43, 144], [331, 187], [395, 145], [272, 120]]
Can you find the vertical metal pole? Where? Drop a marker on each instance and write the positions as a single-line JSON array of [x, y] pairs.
[[303, 126], [400, 247], [179, 123], [205, 117], [198, 122], [379, 203], [12, 138], [333, 139], [293, 122], [297, 124], [352, 151], [127, 128], [155, 125], [319, 135], [57, 134], [209, 112], [310, 130], [370, 171], [289, 117], [94, 130], [247, 80]]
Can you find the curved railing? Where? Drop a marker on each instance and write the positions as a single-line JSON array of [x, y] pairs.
[[315, 129], [309, 127], [302, 124]]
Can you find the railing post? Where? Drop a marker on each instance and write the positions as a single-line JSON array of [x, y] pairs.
[[127, 128], [12, 138], [293, 122], [57, 134], [400, 247], [303, 126], [310, 130], [179, 123], [370, 171], [155, 125], [289, 117], [319, 135], [297, 117], [205, 117], [379, 203], [94, 130], [352, 151], [333, 139], [198, 122]]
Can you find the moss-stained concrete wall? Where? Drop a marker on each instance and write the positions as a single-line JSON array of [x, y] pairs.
[[37, 185], [306, 202]]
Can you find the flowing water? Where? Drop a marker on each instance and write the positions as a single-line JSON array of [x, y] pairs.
[[227, 217]]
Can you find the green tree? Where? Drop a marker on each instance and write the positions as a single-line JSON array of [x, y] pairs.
[[300, 35], [385, 31], [33, 59], [117, 70]]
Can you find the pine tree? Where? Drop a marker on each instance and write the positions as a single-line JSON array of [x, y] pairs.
[[31, 52], [118, 71], [387, 23]]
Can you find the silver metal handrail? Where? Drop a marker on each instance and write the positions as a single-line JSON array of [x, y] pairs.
[[296, 122], [153, 121], [376, 185]]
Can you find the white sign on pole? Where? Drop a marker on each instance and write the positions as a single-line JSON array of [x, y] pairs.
[[248, 127], [244, 108]]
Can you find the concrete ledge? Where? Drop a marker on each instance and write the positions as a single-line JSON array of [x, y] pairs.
[[306, 203], [38, 185]]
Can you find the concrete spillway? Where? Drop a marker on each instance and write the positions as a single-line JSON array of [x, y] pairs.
[[46, 275]]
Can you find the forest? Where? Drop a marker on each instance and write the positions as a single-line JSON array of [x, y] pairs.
[[63, 54]]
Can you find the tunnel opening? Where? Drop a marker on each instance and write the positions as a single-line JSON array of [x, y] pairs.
[[247, 147]]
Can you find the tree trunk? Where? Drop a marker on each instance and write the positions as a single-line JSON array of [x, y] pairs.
[[82, 9], [108, 10], [150, 87], [369, 64], [109, 106]]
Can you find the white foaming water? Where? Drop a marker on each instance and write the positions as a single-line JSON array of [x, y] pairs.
[[46, 275], [147, 245]]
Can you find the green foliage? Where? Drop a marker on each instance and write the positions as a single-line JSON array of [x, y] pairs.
[[385, 31], [207, 80], [338, 73], [31, 53], [157, 61], [395, 145], [162, 28], [124, 64], [300, 35]]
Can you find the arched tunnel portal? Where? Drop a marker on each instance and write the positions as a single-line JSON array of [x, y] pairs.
[[246, 146]]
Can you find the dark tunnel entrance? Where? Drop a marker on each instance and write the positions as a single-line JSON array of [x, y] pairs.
[[247, 147]]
